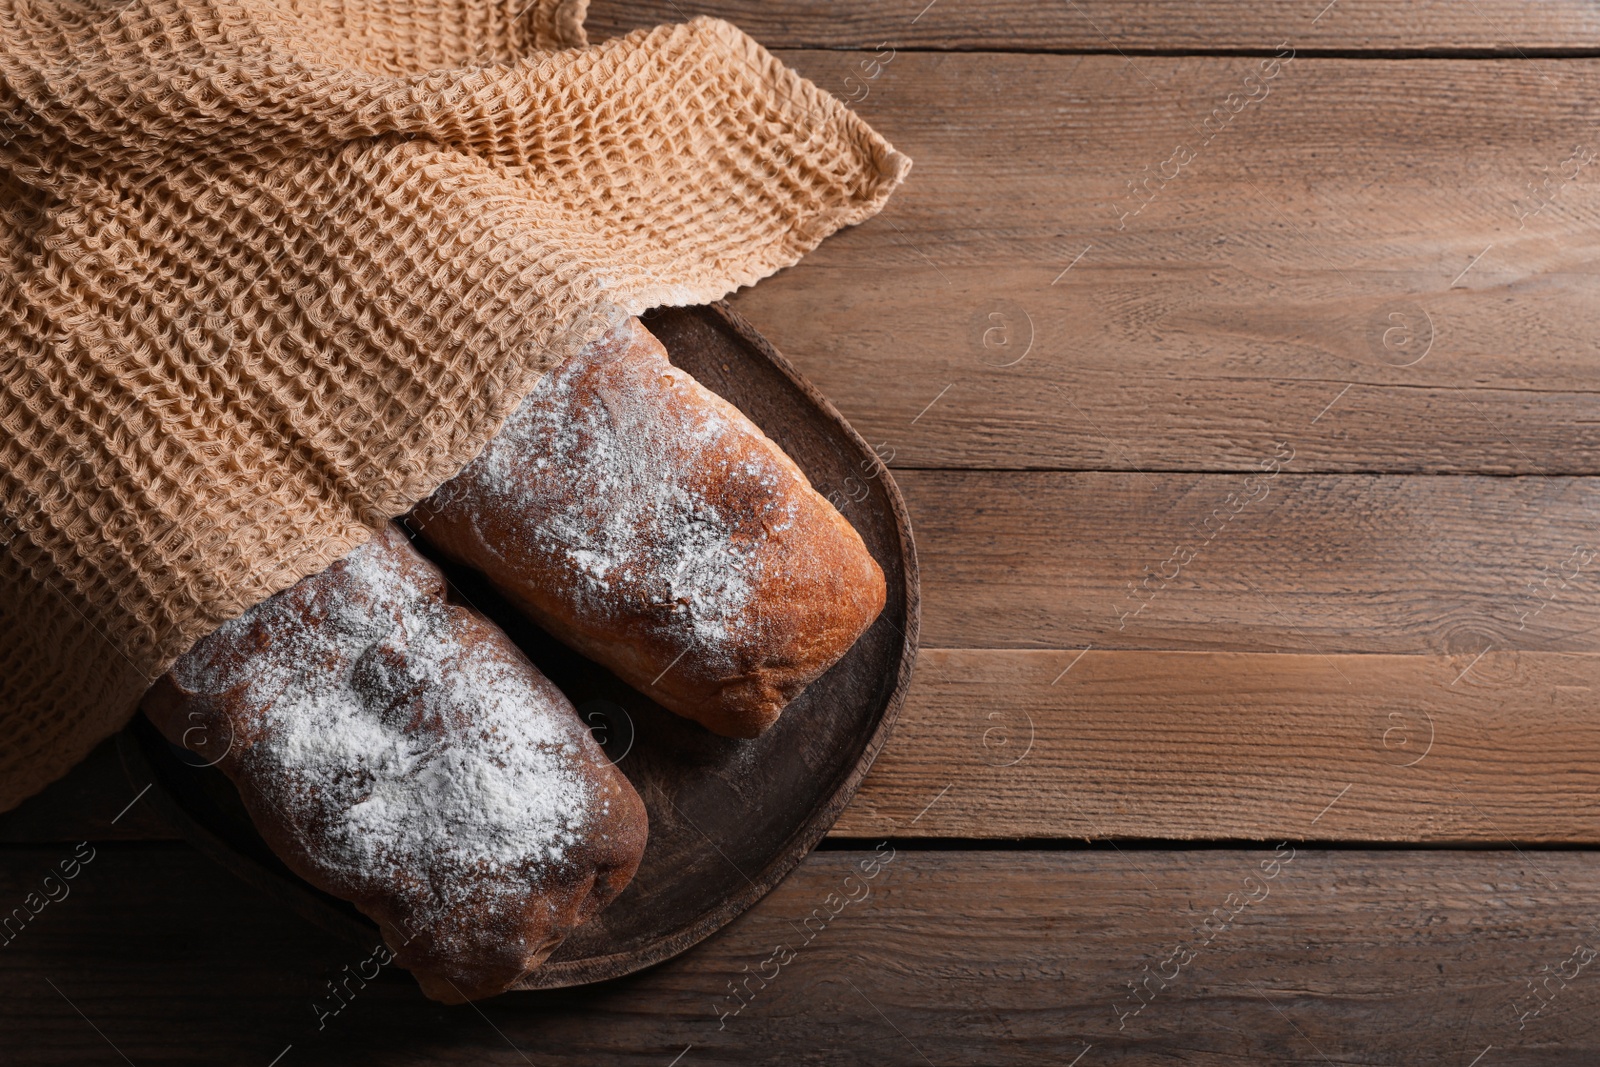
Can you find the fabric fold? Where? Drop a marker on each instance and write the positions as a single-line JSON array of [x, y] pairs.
[[271, 271]]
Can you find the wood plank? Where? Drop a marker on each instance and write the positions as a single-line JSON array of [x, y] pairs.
[[946, 957], [1136, 744], [1359, 217], [1440, 749], [1489, 26], [1342, 572], [1283, 562]]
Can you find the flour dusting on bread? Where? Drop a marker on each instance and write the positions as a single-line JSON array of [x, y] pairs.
[[649, 524], [637, 525], [394, 749]]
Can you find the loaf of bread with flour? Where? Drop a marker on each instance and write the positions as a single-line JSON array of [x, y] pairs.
[[397, 750], [644, 521]]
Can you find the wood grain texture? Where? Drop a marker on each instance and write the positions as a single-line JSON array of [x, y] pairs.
[[1359, 217], [1415, 958], [1277, 562], [998, 743], [1490, 26], [1493, 750], [1381, 589]]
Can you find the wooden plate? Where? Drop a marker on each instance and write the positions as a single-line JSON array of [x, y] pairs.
[[728, 818]]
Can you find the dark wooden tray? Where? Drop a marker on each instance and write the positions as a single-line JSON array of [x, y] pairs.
[[728, 818]]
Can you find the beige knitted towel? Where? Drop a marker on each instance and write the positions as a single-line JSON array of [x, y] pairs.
[[273, 270]]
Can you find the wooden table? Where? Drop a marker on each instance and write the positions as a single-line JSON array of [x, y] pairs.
[[1237, 363]]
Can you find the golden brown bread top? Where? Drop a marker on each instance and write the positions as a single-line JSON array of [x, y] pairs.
[[645, 521], [398, 751]]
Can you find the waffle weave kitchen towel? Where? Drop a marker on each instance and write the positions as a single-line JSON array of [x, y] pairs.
[[273, 270]]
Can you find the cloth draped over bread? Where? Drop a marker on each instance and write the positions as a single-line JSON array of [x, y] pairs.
[[271, 271]]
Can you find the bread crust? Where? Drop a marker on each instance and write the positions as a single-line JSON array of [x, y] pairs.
[[467, 919], [644, 521]]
